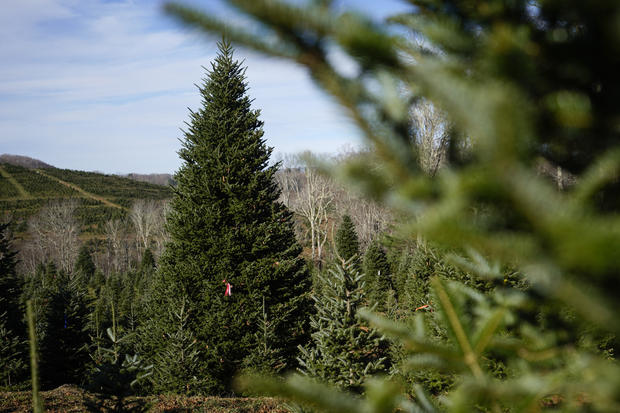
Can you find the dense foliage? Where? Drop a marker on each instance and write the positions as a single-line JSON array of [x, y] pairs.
[[344, 351], [521, 82]]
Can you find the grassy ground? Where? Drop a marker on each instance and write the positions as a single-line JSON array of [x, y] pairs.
[[73, 399]]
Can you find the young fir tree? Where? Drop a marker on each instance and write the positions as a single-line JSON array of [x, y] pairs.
[[11, 285], [344, 350], [11, 313], [377, 275], [226, 224], [12, 365], [147, 264], [63, 348], [347, 243], [84, 266]]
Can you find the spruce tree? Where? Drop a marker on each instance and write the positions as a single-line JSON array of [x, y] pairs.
[[12, 365], [377, 272], [347, 243], [147, 264], [84, 265], [11, 285], [64, 354], [344, 350], [226, 224], [12, 349]]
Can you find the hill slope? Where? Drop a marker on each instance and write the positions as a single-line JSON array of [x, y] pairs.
[[25, 161], [24, 191]]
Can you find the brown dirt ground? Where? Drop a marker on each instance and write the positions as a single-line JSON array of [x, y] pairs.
[[72, 399]]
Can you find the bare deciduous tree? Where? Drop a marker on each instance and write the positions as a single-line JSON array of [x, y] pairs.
[[161, 235], [311, 198], [115, 233], [431, 135], [146, 216], [54, 232]]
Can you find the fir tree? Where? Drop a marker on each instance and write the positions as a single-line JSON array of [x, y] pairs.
[[12, 365], [347, 243], [377, 272], [344, 351], [11, 285], [226, 224], [64, 355], [177, 343], [84, 266], [147, 264], [116, 376], [12, 349]]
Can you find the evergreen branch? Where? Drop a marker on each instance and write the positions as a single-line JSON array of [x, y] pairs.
[[194, 18], [303, 390], [603, 171], [488, 329], [469, 356]]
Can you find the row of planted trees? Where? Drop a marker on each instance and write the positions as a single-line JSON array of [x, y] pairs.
[[88, 323]]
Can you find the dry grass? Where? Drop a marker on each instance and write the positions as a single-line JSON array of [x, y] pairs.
[[72, 399]]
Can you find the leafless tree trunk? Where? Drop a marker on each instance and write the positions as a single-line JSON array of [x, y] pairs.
[[431, 135], [313, 201], [146, 216], [161, 235], [114, 231], [369, 217], [54, 231]]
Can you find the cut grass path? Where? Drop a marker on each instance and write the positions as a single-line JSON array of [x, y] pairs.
[[22, 192], [83, 192]]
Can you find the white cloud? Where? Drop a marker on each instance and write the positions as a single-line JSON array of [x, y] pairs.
[[105, 86]]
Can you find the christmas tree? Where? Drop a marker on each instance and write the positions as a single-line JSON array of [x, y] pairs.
[[344, 350], [377, 272], [347, 243], [12, 347], [229, 234]]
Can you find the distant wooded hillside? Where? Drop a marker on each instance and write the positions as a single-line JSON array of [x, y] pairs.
[[25, 190]]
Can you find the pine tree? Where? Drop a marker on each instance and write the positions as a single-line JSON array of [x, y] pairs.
[[12, 348], [226, 224], [11, 284], [344, 351], [347, 243], [377, 275], [84, 266], [177, 343], [64, 355], [12, 365], [147, 264]]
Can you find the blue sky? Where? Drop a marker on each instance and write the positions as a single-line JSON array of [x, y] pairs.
[[105, 85]]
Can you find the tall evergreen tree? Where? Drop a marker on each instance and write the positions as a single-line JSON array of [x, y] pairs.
[[226, 224]]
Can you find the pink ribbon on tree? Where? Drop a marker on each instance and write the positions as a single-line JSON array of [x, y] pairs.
[[228, 291]]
